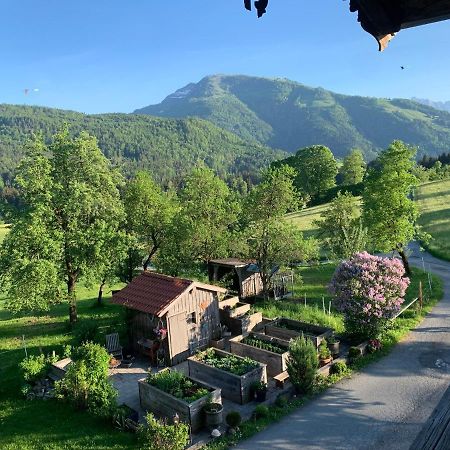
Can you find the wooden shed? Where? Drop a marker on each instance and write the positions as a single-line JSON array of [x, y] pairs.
[[186, 311], [247, 283]]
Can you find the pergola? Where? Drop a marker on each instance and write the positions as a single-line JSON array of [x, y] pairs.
[[384, 18]]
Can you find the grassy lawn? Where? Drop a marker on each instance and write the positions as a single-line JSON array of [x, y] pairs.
[[313, 282], [305, 218], [434, 203], [50, 424]]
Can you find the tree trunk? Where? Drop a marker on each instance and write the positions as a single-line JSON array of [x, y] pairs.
[[100, 293], [71, 280], [405, 261], [149, 258]]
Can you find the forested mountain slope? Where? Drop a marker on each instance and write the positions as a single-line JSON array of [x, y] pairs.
[[289, 115], [167, 147]]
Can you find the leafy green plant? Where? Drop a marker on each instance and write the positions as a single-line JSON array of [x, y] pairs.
[[261, 411], [33, 367], [324, 351], [86, 384], [264, 345], [281, 401], [259, 386], [178, 385], [228, 363], [302, 364], [338, 368], [233, 419], [354, 352], [158, 435]]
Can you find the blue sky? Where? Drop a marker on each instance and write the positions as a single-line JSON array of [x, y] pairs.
[[116, 56]]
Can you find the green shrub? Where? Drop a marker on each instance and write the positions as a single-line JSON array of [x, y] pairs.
[[33, 368], [302, 364], [86, 332], [158, 435], [354, 352], [86, 384], [281, 401], [261, 412], [338, 368], [233, 419]]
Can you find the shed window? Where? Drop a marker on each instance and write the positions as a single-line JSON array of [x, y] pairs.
[[192, 318]]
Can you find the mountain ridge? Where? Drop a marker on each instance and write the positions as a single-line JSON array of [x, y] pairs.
[[286, 114]]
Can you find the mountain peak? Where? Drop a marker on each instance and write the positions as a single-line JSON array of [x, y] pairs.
[[286, 114]]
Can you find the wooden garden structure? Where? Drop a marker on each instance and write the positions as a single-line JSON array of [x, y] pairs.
[[243, 281], [172, 315]]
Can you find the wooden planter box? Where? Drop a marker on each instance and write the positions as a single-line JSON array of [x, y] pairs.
[[242, 324], [234, 387], [314, 332], [238, 310], [275, 362], [165, 405]]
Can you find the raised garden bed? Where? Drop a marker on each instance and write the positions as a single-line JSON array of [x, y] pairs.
[[233, 374], [266, 349], [153, 397], [236, 310], [242, 324], [288, 329]]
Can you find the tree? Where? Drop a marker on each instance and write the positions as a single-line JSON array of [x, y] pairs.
[[369, 291], [341, 227], [71, 210], [203, 227], [302, 364], [316, 170], [272, 241], [389, 213], [149, 213], [353, 168]]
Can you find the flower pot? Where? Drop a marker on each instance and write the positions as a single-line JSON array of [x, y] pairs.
[[213, 415], [260, 395], [334, 348], [324, 362]]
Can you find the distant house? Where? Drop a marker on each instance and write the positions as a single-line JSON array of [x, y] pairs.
[[186, 311], [242, 275]]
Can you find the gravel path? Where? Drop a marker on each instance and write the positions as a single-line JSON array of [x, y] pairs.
[[383, 407]]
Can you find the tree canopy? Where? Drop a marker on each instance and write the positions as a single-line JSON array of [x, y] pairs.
[[72, 211], [389, 213]]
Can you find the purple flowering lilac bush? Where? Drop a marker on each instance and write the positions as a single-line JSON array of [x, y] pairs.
[[369, 291]]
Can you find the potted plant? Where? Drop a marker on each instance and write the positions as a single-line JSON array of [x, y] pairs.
[[333, 345], [213, 414], [324, 354], [259, 389]]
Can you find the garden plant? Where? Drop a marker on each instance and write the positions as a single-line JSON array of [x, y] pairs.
[[302, 364], [369, 290]]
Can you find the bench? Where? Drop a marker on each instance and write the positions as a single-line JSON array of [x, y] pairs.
[[280, 379]]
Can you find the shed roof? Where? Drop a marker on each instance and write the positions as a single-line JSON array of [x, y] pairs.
[[231, 262], [153, 293]]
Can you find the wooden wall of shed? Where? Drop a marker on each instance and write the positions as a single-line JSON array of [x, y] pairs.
[[251, 284], [205, 305]]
